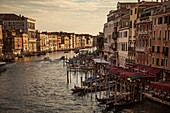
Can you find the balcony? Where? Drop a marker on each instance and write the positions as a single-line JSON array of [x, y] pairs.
[[142, 32], [141, 49], [144, 19]]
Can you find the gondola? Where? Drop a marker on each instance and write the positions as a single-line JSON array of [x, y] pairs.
[[89, 89], [104, 100]]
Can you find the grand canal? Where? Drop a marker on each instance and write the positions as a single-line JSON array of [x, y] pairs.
[[32, 85]]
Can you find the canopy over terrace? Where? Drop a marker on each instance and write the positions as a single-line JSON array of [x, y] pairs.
[[151, 70], [162, 85]]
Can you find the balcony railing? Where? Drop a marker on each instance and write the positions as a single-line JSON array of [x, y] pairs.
[[141, 49], [144, 19], [142, 32]]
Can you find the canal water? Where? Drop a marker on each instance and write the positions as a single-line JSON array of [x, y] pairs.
[[32, 85]]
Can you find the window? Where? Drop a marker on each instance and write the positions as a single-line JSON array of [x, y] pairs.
[[139, 42], [149, 59], [134, 24], [125, 34], [143, 27], [153, 60], [165, 19], [166, 62], [154, 21], [157, 61], [146, 58], [135, 10], [153, 49], [146, 42], [151, 27], [154, 35], [150, 42], [130, 24], [142, 58], [158, 49], [140, 27], [139, 57], [166, 51], [165, 35], [162, 62], [159, 35], [163, 50], [146, 27], [160, 20], [131, 12], [168, 34], [143, 42]]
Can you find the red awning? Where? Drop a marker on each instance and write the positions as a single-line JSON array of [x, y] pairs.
[[151, 70], [154, 71], [128, 65], [162, 85], [138, 67], [111, 67], [146, 68], [147, 76]]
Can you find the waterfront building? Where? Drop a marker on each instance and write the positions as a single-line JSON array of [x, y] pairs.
[[66, 42], [77, 41], [12, 42], [88, 40], [18, 22], [42, 42], [111, 33], [95, 40], [161, 39], [70, 35], [83, 40], [25, 47], [58, 42], [46, 41], [52, 41], [1, 41], [134, 14], [123, 39], [100, 41]]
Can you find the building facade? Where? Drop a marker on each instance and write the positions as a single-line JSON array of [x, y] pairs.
[[1, 41], [25, 47], [161, 39], [19, 22], [123, 39]]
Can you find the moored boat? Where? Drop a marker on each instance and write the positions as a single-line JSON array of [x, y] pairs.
[[2, 66]]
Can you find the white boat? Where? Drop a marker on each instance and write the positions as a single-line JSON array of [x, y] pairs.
[[2, 66]]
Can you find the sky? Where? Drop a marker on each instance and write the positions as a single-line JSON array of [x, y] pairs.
[[78, 16]]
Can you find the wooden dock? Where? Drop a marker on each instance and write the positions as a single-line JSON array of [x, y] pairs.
[[149, 96]]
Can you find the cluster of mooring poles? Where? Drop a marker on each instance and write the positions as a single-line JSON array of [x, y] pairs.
[[109, 85]]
